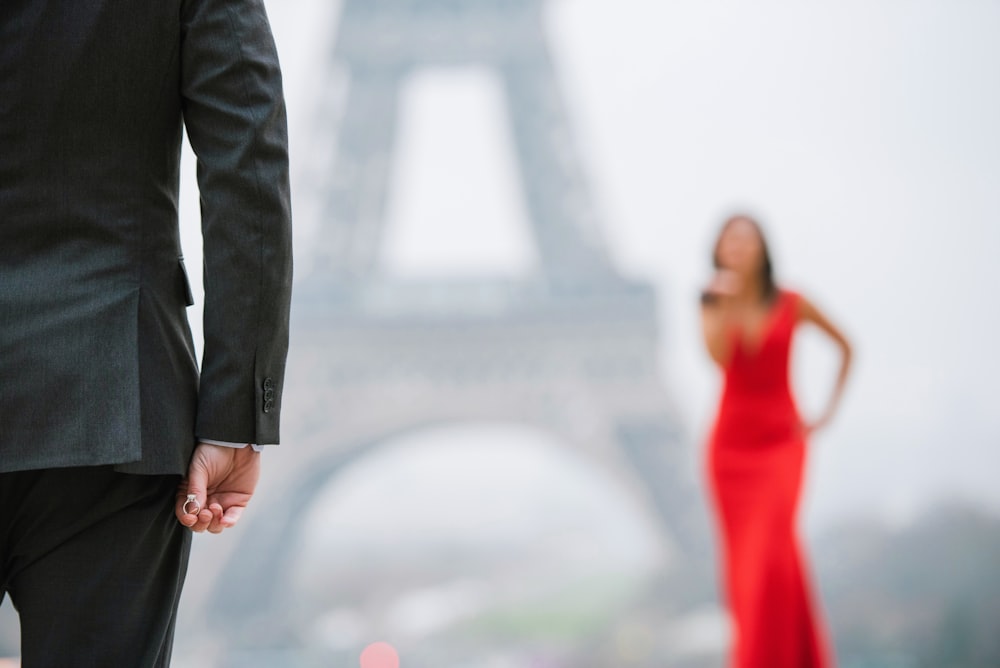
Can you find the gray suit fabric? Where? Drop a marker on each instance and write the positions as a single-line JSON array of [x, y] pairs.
[[97, 365]]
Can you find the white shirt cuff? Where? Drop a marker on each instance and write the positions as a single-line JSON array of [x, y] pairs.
[[230, 444]]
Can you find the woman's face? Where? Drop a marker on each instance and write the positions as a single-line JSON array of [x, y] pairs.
[[740, 247]]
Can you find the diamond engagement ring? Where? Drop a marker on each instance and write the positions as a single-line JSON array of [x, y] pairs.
[[192, 500]]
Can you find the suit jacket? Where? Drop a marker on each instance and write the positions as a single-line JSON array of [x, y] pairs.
[[96, 358]]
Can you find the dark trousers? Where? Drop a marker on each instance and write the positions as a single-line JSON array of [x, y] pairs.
[[93, 561]]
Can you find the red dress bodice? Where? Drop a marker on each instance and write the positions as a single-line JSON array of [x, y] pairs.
[[757, 407]]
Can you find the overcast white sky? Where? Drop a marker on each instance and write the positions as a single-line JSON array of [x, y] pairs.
[[863, 133]]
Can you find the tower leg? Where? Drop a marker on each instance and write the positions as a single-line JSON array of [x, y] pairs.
[[355, 203]]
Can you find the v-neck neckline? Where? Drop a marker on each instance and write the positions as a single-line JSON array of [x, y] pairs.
[[752, 347]]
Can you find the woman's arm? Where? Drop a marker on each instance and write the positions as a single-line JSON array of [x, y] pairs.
[[713, 331], [717, 316], [808, 312]]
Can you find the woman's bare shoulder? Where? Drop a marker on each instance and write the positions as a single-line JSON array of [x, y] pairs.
[[796, 302]]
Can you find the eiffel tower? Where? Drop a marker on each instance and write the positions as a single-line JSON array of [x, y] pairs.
[[380, 44], [571, 349]]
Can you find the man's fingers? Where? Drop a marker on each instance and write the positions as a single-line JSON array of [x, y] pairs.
[[202, 520], [215, 526], [191, 497], [197, 483], [232, 516], [212, 518]]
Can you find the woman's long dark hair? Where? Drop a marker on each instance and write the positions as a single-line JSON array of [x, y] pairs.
[[770, 288]]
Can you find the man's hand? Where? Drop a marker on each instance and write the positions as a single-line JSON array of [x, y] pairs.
[[222, 481]]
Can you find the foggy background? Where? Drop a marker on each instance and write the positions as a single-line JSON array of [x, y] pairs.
[[864, 136]]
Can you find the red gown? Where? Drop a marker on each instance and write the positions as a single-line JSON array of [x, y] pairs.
[[756, 453]]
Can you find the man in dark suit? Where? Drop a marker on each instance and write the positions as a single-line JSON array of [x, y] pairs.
[[105, 425]]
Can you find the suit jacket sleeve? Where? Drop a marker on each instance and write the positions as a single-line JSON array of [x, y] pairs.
[[234, 113]]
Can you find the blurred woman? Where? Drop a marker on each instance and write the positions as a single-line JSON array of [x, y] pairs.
[[756, 452]]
